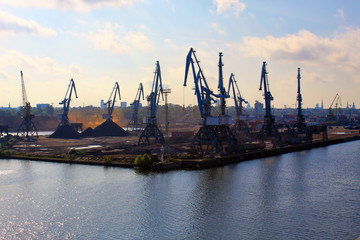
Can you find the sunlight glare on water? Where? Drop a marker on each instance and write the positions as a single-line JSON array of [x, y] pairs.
[[303, 195]]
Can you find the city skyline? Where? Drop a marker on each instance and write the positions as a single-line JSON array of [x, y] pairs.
[[100, 42]]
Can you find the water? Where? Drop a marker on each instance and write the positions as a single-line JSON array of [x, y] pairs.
[[304, 195]]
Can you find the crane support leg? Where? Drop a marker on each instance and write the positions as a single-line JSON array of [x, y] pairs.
[[210, 140], [151, 131], [27, 129]]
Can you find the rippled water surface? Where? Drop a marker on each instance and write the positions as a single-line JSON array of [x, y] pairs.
[[305, 195]]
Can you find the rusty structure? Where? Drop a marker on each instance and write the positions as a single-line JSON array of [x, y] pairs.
[[27, 127]]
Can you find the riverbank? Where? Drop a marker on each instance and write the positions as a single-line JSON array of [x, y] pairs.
[[99, 157]]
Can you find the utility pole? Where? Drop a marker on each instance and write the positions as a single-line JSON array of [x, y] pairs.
[[166, 91]]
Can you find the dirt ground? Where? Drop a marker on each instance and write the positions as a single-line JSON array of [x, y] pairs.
[[126, 146]]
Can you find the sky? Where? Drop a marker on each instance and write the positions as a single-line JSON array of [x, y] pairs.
[[100, 42]]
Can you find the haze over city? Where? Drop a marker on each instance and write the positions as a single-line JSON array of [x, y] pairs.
[[100, 42]]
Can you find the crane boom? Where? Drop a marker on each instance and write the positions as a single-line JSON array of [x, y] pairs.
[[111, 102], [156, 90], [151, 130], [134, 121], [299, 97], [24, 96], [27, 128], [267, 94], [238, 100], [66, 102], [202, 91]]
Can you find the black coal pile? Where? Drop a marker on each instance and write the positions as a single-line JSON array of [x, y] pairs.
[[89, 132], [109, 128], [65, 131]]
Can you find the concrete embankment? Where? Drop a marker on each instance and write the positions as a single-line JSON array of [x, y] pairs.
[[196, 163], [220, 161]]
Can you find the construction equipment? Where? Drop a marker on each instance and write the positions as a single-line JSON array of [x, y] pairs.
[[66, 104], [27, 127], [111, 102], [269, 129], [331, 116], [240, 126], [134, 120], [300, 129], [151, 130], [214, 136]]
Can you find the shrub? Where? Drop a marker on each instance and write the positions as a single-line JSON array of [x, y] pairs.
[[72, 151], [107, 159], [143, 161]]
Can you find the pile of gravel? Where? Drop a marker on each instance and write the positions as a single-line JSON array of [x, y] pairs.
[[65, 131], [109, 128]]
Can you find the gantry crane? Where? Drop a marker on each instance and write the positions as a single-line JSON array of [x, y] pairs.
[[300, 128], [134, 120], [268, 130], [27, 127], [214, 136], [240, 125], [66, 104], [111, 102], [151, 130]]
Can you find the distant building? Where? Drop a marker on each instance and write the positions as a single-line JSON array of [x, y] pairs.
[[259, 109], [102, 104], [123, 104], [42, 105], [248, 106]]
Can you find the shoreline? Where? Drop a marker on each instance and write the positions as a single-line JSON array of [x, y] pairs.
[[192, 164]]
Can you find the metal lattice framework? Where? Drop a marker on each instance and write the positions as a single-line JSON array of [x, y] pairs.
[[214, 135], [27, 127], [152, 133]]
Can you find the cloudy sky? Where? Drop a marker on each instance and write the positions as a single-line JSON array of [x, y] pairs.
[[99, 42]]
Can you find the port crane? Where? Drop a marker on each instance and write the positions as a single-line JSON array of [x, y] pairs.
[[300, 128], [134, 120], [111, 102], [269, 129], [240, 125], [66, 105], [331, 114], [214, 136], [151, 130], [27, 127]]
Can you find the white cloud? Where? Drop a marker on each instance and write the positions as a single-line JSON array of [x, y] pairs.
[[13, 58], [305, 47], [340, 13], [11, 24], [170, 43], [109, 38], [74, 5], [229, 5], [218, 29], [139, 40]]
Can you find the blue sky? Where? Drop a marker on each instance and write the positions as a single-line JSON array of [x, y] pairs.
[[100, 42]]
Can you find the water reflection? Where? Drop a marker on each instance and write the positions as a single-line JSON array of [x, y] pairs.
[[304, 195]]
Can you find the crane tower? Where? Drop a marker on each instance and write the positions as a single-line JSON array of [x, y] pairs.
[[27, 127]]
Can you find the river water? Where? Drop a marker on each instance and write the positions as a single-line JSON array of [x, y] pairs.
[[312, 194]]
